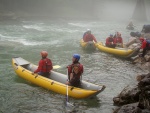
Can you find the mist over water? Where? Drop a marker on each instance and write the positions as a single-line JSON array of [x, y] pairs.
[[78, 9]]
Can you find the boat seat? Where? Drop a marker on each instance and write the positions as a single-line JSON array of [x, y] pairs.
[[90, 42], [31, 68]]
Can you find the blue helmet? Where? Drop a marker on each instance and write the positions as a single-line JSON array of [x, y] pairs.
[[111, 35], [77, 56]]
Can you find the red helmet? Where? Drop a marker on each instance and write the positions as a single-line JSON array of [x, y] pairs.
[[141, 39], [44, 53], [118, 34]]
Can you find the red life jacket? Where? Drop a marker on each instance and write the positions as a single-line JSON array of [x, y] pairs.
[[88, 37], [71, 70], [117, 40], [109, 40], [47, 65]]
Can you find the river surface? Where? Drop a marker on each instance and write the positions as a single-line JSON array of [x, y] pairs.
[[26, 38]]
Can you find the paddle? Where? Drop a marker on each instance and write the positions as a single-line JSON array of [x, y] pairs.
[[67, 100], [67, 96], [56, 67], [67, 89]]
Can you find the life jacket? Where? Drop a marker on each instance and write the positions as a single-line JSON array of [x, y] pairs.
[[88, 37], [110, 40], [117, 40], [76, 69], [47, 65]]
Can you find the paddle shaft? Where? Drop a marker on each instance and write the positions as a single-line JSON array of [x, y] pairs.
[[67, 88], [56, 67]]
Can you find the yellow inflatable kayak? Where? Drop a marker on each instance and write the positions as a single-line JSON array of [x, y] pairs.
[[57, 81], [88, 45], [122, 52]]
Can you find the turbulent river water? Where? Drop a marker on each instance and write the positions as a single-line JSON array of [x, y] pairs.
[[26, 38]]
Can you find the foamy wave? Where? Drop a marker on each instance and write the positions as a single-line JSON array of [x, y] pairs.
[[2, 36], [36, 27], [78, 24], [84, 25], [49, 28], [19, 40], [26, 42]]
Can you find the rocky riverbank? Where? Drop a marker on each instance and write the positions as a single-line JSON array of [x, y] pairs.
[[135, 99], [142, 62]]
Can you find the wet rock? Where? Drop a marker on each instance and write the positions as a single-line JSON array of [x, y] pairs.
[[138, 60], [129, 108], [136, 98], [147, 58], [128, 95], [144, 97], [144, 80], [143, 83], [142, 62], [140, 77]]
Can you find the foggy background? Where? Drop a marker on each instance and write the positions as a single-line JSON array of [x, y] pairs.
[[72, 9]]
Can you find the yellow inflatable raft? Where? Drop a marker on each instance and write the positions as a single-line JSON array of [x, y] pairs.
[[88, 45], [57, 81], [121, 52]]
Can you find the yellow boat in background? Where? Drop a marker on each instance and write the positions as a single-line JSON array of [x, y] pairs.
[[121, 52], [56, 82], [88, 45]]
